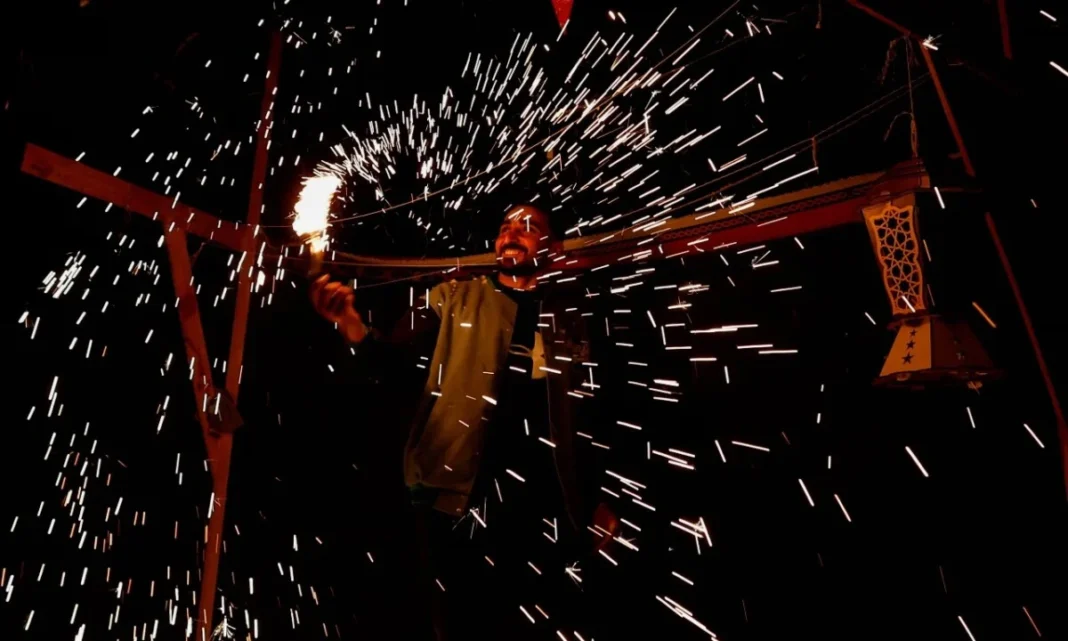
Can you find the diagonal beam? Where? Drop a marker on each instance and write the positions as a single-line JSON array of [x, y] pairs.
[[196, 349], [252, 221], [1006, 40], [790, 214], [65, 172], [224, 444]]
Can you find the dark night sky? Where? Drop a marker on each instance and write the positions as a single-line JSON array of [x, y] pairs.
[[982, 538]]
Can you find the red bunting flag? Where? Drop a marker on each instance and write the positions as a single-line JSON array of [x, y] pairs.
[[563, 11]]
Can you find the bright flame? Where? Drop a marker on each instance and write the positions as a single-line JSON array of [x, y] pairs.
[[312, 211]]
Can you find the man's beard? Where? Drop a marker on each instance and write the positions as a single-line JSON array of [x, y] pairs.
[[520, 269]]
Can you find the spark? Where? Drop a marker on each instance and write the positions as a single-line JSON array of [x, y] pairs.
[[842, 506], [1034, 436], [739, 88], [751, 446], [1033, 624], [984, 315], [965, 626], [605, 555], [807, 495], [917, 462]]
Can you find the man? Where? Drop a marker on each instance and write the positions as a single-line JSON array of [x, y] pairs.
[[492, 440]]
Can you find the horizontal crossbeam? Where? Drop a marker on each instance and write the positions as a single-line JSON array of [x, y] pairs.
[[76, 176]]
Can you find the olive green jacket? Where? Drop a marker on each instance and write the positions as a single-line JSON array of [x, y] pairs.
[[448, 433]]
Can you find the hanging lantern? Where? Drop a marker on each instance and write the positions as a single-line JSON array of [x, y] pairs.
[[928, 348]]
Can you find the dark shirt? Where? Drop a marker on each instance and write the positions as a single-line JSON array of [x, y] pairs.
[[522, 412]]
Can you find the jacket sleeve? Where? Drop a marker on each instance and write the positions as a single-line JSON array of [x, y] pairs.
[[398, 353]]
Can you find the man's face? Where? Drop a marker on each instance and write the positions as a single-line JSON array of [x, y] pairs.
[[524, 233]]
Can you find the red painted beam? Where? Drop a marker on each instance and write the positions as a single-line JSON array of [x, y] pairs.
[[770, 224], [1006, 40], [840, 213], [224, 442], [950, 119], [196, 348], [881, 18], [1058, 412], [65, 172], [255, 206]]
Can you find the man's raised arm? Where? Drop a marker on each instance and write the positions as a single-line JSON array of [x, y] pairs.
[[334, 302], [415, 332]]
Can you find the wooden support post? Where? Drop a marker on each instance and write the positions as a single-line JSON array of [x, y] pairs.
[[950, 119], [175, 215], [252, 220], [1058, 413], [196, 349], [1006, 41], [220, 468]]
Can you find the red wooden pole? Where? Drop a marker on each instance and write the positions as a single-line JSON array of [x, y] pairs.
[[223, 443], [196, 349], [1006, 42], [1062, 427], [252, 219], [69, 173], [953, 128]]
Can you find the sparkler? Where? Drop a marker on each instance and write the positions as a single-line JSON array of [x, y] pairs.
[[312, 216]]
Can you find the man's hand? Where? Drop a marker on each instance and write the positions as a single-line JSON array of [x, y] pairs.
[[605, 520], [333, 301]]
